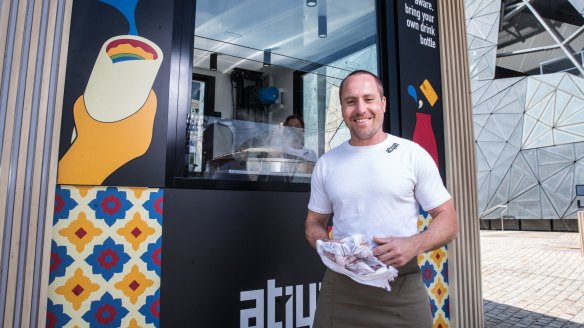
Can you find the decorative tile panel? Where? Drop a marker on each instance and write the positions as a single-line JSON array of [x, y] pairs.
[[105, 257], [434, 267]]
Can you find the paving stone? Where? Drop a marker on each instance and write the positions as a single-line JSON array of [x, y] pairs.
[[532, 279]]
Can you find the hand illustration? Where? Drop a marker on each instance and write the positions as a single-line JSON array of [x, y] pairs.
[[100, 148]]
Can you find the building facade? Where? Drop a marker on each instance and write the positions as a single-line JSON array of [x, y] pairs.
[[526, 73]]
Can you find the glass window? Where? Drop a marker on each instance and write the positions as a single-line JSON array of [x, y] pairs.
[[276, 65]]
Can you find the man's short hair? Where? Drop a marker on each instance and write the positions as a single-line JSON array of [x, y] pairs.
[[361, 71]]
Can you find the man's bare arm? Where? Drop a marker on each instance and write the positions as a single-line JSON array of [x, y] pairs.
[[397, 251], [442, 229], [315, 227]]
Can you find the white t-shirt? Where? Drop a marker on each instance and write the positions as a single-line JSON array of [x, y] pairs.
[[376, 190]]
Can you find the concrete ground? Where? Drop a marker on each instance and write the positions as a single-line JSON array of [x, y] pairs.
[[532, 279]]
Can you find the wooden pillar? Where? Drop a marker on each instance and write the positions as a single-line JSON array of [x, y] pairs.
[[33, 36], [581, 230], [466, 301]]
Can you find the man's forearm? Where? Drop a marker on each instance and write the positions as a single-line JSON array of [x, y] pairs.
[[443, 229], [433, 238], [314, 231]]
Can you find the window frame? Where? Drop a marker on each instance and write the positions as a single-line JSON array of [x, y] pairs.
[[183, 43]]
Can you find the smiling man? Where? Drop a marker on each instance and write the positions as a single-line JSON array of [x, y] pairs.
[[374, 184]]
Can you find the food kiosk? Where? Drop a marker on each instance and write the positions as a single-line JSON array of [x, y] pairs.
[[183, 194]]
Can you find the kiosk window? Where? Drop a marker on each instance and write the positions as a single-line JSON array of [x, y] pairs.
[[269, 60]]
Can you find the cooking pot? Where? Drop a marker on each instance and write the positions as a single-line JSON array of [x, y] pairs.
[[278, 165], [266, 160]]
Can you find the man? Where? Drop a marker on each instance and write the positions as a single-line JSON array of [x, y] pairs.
[[374, 184]]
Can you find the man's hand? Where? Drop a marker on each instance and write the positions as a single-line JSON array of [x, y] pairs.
[[396, 251], [100, 148]]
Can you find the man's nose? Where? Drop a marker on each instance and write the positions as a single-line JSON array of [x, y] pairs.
[[361, 105]]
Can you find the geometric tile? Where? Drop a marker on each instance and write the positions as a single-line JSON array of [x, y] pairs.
[[107, 259], [428, 273], [554, 114], [110, 204], [60, 261], [151, 309], [55, 316], [153, 256], [105, 312], [77, 289], [439, 291], [63, 204], [80, 232], [134, 284], [136, 231]]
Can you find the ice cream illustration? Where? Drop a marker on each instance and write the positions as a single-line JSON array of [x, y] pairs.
[[115, 115], [122, 77]]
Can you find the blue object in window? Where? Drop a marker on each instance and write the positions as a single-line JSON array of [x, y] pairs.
[[269, 95]]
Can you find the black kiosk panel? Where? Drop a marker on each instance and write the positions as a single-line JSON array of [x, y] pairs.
[[237, 259]]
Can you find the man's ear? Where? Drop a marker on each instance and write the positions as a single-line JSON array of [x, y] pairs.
[[384, 101]]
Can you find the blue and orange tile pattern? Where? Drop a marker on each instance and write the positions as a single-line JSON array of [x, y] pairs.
[[434, 266], [106, 260], [105, 257]]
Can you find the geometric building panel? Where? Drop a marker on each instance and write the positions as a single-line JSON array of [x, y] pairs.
[[552, 160], [482, 33], [558, 188], [105, 257], [526, 205], [486, 94], [520, 178], [498, 124], [578, 5], [554, 112], [482, 19]]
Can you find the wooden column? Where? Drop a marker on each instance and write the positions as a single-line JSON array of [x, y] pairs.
[[466, 301], [581, 230], [33, 39]]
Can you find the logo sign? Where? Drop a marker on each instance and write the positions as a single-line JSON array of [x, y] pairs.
[[289, 300]]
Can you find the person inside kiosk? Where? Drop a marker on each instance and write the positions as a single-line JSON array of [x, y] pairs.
[[294, 139]]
